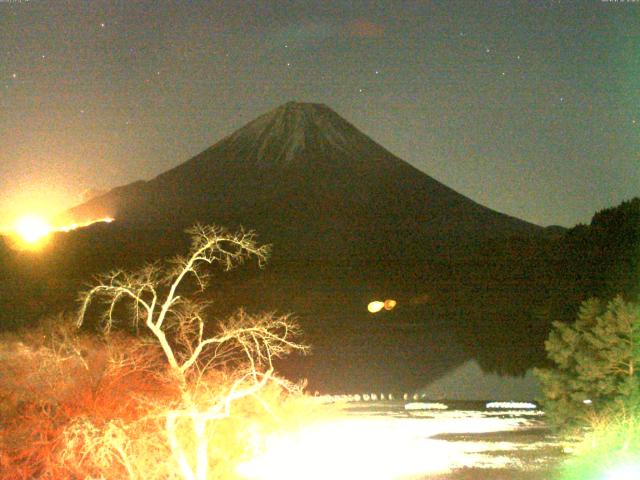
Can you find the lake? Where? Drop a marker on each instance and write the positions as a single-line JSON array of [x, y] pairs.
[[383, 440]]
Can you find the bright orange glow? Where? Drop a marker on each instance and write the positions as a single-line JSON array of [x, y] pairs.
[[32, 229], [74, 226], [390, 304]]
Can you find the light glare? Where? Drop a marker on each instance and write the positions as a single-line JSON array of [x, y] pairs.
[[390, 304], [32, 229], [375, 306], [624, 472], [378, 449]]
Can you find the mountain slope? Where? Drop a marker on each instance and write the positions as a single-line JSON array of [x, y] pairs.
[[349, 223], [301, 174]]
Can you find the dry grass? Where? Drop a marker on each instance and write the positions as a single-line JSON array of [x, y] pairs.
[[611, 441]]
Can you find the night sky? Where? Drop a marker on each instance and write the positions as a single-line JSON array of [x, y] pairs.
[[530, 108]]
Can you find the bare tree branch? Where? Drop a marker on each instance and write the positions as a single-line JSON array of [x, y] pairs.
[[179, 324], [246, 343]]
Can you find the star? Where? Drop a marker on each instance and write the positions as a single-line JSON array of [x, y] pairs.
[[102, 25], [288, 64]]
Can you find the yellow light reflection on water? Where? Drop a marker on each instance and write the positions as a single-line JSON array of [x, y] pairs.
[[375, 448]]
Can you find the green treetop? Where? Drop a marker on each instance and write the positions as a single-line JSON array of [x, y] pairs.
[[596, 361]]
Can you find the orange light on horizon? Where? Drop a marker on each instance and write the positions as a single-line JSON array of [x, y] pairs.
[[32, 231], [75, 226]]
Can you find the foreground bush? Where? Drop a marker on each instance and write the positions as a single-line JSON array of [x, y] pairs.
[[591, 392], [101, 413], [610, 448], [185, 398], [53, 377]]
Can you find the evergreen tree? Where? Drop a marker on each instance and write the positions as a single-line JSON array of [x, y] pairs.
[[596, 361]]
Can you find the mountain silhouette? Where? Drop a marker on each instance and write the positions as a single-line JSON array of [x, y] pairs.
[[307, 180], [349, 223]]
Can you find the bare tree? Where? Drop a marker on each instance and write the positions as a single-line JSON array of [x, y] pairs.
[[177, 322], [247, 342]]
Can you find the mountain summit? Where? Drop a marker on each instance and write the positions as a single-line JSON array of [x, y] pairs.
[[307, 179], [285, 134]]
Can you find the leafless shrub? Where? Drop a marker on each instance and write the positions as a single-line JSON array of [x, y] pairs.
[[244, 345]]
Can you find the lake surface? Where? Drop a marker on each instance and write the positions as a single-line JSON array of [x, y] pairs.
[[382, 440]]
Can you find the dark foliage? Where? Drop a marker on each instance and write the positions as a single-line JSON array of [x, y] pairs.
[[598, 260]]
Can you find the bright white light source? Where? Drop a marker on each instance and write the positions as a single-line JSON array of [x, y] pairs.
[[512, 405], [587, 402], [344, 449], [375, 306], [379, 448], [425, 406], [32, 229], [624, 472]]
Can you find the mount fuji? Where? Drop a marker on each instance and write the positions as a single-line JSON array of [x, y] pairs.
[[349, 222], [310, 182]]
